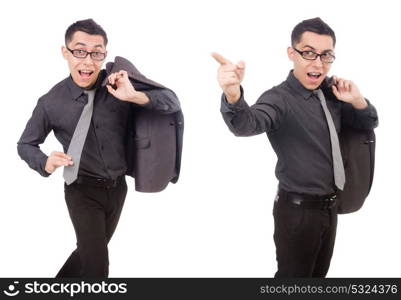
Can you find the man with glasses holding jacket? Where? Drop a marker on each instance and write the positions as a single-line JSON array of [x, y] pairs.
[[301, 117], [90, 112]]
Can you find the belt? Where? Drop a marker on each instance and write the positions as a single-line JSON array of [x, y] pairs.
[[309, 201], [99, 182]]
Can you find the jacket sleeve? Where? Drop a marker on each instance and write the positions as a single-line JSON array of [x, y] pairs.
[[162, 100], [264, 116], [359, 118], [35, 133]]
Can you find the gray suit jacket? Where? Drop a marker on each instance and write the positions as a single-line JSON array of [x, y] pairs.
[[154, 142], [358, 151]]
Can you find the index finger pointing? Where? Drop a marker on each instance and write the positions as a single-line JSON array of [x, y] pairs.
[[241, 65], [220, 59]]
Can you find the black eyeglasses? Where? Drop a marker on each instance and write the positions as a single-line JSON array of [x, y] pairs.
[[79, 53], [325, 57]]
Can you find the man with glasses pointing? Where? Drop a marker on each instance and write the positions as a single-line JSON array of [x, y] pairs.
[[90, 113], [301, 117]]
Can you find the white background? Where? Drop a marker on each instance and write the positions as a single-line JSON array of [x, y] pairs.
[[217, 221]]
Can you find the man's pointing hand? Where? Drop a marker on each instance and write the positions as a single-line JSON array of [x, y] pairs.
[[230, 76]]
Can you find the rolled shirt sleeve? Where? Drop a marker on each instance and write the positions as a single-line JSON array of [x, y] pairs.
[[162, 100], [366, 118]]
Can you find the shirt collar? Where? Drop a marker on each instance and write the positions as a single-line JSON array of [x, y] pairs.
[[298, 87], [77, 91]]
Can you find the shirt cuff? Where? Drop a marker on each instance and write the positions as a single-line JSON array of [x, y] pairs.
[[42, 165], [150, 104], [237, 106], [156, 101], [368, 111]]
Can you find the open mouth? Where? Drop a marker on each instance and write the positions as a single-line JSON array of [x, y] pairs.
[[314, 75], [85, 73]]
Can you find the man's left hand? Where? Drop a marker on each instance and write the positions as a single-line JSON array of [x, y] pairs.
[[125, 91], [347, 91]]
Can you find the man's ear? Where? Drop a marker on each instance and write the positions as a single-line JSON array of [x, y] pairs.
[[290, 53], [64, 52]]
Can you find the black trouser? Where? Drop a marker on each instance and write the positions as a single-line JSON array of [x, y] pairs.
[[94, 212], [304, 239]]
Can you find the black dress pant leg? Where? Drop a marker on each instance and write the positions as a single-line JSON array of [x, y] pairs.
[[94, 212], [304, 239], [326, 252]]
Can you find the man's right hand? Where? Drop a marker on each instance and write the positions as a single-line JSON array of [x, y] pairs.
[[230, 76], [57, 159]]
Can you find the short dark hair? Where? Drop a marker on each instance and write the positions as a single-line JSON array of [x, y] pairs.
[[89, 26], [315, 25]]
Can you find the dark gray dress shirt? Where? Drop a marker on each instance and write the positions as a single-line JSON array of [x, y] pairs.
[[103, 154], [296, 126]]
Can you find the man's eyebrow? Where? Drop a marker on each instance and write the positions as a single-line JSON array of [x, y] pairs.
[[83, 44], [79, 44], [307, 46], [313, 48]]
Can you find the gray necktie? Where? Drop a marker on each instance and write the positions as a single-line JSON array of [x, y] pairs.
[[78, 139], [338, 166]]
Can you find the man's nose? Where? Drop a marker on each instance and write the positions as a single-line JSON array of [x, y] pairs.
[[318, 62], [88, 60]]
